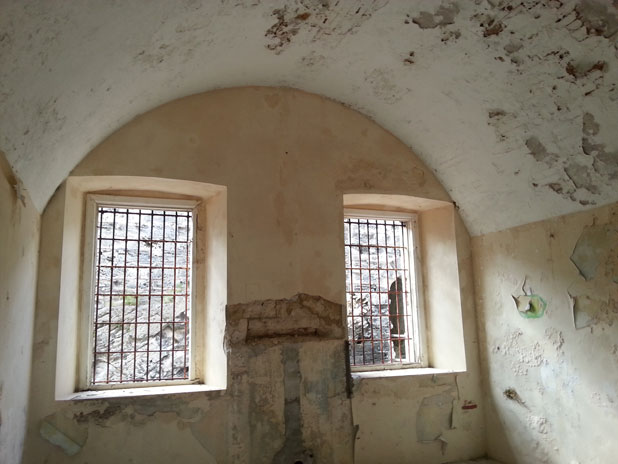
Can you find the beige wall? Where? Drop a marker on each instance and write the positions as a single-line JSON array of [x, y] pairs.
[[19, 245], [552, 387], [286, 158]]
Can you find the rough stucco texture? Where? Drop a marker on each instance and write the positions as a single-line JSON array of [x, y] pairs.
[[286, 158], [551, 380], [511, 104], [19, 244]]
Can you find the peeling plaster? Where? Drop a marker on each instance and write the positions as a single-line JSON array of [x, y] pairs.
[[597, 18], [591, 247], [435, 415], [530, 306], [444, 15], [539, 152], [469, 57], [318, 19], [605, 162], [56, 437]]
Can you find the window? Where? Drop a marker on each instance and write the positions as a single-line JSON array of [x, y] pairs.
[[140, 297], [382, 282], [143, 287]]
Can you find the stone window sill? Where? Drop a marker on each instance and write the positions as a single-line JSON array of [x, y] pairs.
[[417, 371], [141, 391]]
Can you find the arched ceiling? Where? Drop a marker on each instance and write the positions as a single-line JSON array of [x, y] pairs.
[[513, 104]]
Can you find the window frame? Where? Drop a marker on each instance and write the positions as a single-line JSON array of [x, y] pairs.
[[85, 342], [419, 337]]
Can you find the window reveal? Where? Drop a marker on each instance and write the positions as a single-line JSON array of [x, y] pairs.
[[382, 309], [141, 296]]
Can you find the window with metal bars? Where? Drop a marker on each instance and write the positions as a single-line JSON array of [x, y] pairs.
[[141, 294], [383, 312]]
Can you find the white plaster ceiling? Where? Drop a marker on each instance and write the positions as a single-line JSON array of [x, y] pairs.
[[513, 104]]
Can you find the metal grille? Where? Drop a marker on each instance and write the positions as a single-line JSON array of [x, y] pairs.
[[381, 320], [142, 295]]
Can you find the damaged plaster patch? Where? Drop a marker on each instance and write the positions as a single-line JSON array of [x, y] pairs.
[[64, 433], [589, 125], [293, 450], [555, 337], [286, 27], [588, 311], [58, 438], [513, 47], [538, 150], [521, 356], [493, 27], [496, 113], [443, 16], [605, 163], [538, 424], [155, 405], [281, 380], [580, 176], [591, 248], [529, 305], [300, 318], [594, 298], [582, 69], [98, 416], [597, 17], [319, 18], [434, 416]]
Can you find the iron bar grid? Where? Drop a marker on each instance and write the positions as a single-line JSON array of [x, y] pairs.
[[142, 295], [378, 292]]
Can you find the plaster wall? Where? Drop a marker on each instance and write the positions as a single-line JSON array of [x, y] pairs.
[[19, 245], [286, 158], [551, 376]]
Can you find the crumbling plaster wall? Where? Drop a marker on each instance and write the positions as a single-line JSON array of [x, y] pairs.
[[19, 245], [551, 366], [286, 158]]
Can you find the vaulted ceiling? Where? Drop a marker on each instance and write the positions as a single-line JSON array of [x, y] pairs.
[[513, 104]]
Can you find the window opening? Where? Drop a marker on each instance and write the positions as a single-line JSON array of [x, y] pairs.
[[382, 308], [141, 301]]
